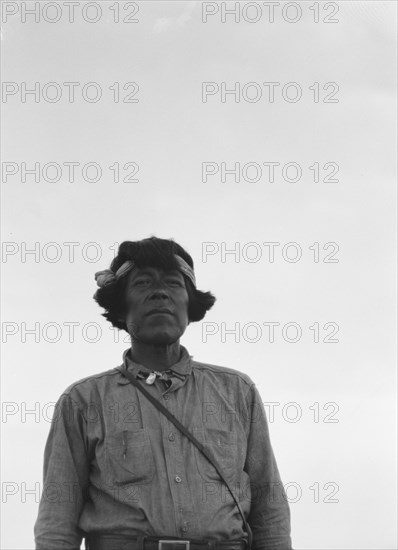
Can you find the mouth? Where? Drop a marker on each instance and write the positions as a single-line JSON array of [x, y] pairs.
[[160, 311]]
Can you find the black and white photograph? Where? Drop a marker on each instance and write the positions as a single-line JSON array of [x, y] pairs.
[[199, 275]]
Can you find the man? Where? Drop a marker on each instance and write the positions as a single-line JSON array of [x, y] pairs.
[[118, 472]]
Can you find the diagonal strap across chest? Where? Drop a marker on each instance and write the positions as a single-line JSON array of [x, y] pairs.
[[192, 438]]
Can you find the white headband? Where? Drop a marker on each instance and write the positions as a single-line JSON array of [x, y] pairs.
[[107, 276]]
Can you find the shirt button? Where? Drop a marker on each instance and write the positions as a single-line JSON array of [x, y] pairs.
[[172, 437], [184, 529], [178, 479], [166, 396]]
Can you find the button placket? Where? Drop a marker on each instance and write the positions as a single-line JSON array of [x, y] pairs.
[[175, 464]]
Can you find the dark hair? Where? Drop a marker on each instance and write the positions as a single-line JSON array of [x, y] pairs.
[[151, 252]]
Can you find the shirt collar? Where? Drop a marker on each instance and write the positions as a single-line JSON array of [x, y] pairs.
[[183, 367]]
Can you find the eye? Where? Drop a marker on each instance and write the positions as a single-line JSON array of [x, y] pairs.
[[142, 282], [174, 282]]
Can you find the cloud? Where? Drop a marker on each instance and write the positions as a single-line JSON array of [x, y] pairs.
[[163, 24]]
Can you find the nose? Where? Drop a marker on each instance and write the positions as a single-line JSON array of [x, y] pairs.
[[159, 291]]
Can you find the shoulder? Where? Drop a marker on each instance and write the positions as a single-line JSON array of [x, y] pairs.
[[223, 372], [88, 388], [93, 379]]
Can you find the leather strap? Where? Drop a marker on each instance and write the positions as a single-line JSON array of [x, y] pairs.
[[193, 439]]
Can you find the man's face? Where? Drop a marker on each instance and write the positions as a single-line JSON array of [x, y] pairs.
[[157, 305]]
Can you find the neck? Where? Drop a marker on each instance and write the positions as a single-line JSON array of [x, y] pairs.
[[156, 357]]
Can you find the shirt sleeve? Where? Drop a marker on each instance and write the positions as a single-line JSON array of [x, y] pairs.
[[269, 516], [65, 480]]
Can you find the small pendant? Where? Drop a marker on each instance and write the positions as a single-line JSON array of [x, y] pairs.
[[151, 378]]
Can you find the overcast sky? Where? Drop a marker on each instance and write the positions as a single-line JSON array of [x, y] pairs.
[[157, 94]]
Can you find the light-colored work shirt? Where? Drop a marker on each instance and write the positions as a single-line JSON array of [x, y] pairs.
[[114, 464]]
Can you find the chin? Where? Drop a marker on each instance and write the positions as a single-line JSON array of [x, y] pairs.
[[161, 338]]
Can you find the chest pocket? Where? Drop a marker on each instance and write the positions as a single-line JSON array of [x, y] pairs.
[[223, 447], [129, 457]]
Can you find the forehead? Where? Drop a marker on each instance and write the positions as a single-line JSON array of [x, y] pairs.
[[154, 271]]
